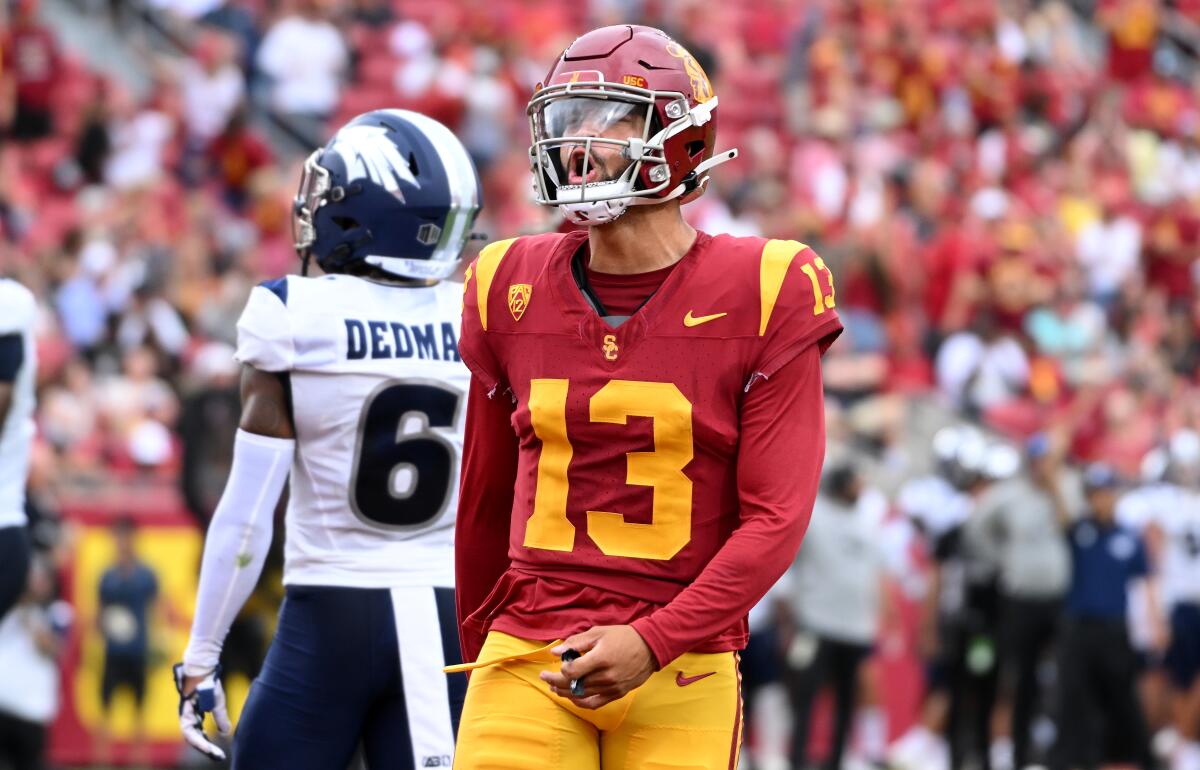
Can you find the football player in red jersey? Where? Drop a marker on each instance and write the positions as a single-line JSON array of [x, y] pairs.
[[644, 432]]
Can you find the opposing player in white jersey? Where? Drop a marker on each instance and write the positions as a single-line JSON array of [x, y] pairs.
[[936, 507], [18, 365], [1168, 508], [352, 385]]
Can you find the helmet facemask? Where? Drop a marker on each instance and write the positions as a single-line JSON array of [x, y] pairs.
[[315, 183], [593, 141]]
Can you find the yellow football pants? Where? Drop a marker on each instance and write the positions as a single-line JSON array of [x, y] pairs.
[[685, 717]]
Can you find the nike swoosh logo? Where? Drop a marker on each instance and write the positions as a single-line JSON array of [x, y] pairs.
[[684, 681], [691, 320]]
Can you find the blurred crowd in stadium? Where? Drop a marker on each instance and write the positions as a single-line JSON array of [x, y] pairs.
[[1007, 192]]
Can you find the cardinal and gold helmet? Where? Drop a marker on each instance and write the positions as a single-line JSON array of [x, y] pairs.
[[626, 116]]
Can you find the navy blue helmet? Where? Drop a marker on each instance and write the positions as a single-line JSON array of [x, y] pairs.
[[393, 189]]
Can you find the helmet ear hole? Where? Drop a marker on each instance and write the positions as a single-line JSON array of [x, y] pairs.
[[694, 148], [346, 223]]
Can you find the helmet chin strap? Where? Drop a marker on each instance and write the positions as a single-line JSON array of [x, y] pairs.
[[680, 189], [603, 212]]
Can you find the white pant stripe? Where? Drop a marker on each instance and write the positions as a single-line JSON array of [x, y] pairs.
[[421, 661]]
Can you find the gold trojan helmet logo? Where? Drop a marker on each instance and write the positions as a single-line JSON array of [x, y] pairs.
[[518, 299], [701, 87]]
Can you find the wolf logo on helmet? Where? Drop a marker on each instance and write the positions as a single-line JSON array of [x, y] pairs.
[[345, 211], [369, 153]]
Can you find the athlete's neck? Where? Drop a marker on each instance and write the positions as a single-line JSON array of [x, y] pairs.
[[645, 238]]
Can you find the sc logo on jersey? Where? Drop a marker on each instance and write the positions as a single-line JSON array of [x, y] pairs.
[[437, 761], [610, 347]]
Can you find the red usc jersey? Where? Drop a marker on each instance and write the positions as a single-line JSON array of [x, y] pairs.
[[629, 439]]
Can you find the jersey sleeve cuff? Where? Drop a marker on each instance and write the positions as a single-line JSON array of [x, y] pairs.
[[273, 443], [822, 335], [200, 663], [659, 649]]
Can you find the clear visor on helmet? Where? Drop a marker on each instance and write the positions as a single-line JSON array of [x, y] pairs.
[[584, 116], [586, 141], [314, 186]]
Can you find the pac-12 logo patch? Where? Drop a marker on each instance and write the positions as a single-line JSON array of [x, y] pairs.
[[518, 299]]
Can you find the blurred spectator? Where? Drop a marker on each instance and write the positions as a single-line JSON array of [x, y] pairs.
[[1018, 522], [1109, 247], [80, 302], [437, 82], [1132, 27], [982, 367], [31, 639], [305, 57], [149, 319], [136, 406], [127, 594], [833, 607], [1101, 717], [212, 87], [94, 144], [71, 414], [238, 21], [1070, 328], [139, 134], [27, 71], [236, 154], [489, 104], [1181, 342], [207, 422]]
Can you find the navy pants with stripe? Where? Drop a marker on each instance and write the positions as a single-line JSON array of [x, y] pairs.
[[350, 666]]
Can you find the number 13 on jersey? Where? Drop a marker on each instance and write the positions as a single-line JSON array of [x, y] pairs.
[[660, 469]]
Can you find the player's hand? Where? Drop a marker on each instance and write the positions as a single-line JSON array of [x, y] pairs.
[[200, 695], [613, 660]]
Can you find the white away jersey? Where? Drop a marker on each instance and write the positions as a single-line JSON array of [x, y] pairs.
[[1175, 510], [935, 504], [378, 396], [18, 311]]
